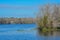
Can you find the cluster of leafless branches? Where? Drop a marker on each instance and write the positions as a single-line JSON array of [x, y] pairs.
[[48, 15]]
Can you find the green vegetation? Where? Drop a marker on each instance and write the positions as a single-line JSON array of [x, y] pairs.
[[44, 25]]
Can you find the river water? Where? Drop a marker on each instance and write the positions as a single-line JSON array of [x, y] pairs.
[[25, 32]]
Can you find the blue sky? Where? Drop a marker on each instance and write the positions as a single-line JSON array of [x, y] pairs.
[[21, 8]]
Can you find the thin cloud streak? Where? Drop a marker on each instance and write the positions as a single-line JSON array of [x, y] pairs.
[[17, 7]]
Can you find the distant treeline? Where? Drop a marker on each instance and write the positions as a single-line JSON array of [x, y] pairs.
[[16, 20]]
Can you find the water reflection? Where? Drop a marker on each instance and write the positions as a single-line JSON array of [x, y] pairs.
[[52, 35]]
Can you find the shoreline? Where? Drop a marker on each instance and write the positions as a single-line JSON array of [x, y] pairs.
[[17, 20]]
